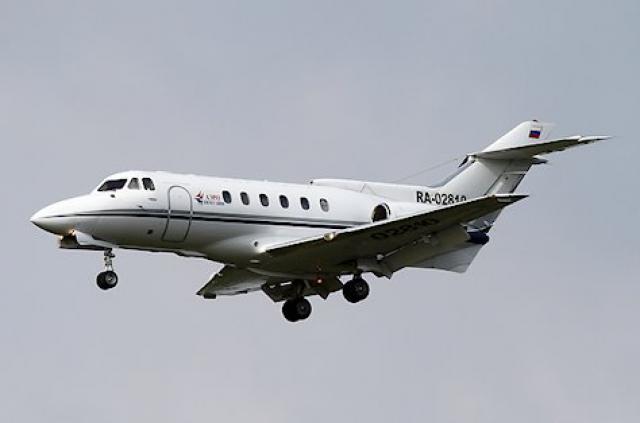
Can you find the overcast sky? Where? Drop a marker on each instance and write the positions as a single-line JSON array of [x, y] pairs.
[[543, 327]]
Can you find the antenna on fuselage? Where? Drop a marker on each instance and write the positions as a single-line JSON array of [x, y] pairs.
[[429, 169]]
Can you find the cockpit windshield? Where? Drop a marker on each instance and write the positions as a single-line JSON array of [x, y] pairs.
[[112, 185]]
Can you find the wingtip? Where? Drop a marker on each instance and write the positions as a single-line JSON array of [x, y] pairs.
[[594, 138], [510, 198]]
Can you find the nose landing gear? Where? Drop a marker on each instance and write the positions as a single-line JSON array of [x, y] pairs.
[[107, 279]]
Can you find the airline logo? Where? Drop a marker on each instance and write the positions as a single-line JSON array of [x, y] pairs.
[[208, 199]]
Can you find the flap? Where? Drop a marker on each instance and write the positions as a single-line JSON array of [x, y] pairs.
[[231, 281]]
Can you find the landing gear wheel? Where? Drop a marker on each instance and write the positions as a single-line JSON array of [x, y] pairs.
[[356, 290], [288, 312], [296, 309], [107, 279]]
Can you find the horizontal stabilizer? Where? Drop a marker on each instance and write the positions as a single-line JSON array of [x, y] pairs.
[[524, 152]]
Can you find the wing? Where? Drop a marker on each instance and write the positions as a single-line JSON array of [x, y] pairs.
[[231, 281], [379, 238], [365, 241]]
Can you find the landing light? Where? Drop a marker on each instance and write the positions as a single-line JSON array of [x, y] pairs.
[[329, 236]]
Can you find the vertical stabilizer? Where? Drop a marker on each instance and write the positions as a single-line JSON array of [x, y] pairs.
[[527, 133], [480, 176]]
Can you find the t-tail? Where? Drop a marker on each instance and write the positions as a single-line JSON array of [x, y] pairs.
[[498, 169]]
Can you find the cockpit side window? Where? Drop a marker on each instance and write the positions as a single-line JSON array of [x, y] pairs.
[[134, 183], [147, 183], [112, 185]]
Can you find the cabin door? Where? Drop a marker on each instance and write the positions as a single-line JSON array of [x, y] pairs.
[[179, 214]]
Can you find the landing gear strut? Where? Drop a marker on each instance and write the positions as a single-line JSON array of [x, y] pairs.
[[356, 290], [296, 309], [107, 279]]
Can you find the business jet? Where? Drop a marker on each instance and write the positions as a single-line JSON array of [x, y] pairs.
[[292, 241]]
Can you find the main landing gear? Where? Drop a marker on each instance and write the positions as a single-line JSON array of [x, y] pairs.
[[356, 290], [107, 279], [296, 309]]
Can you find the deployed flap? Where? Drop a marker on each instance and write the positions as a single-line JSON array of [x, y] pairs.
[[531, 150], [382, 237], [455, 261], [231, 281], [281, 291]]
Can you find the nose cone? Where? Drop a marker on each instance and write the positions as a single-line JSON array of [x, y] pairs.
[[60, 218], [50, 221], [38, 218]]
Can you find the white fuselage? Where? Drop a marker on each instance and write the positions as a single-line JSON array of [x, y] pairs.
[[293, 240], [225, 220]]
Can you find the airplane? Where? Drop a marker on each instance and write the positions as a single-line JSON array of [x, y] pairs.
[[292, 241]]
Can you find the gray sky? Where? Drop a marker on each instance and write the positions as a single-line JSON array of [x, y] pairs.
[[544, 326]]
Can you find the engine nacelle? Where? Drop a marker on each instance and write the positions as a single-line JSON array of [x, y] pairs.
[[478, 238], [380, 212]]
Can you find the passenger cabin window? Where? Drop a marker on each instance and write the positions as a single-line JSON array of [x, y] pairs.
[[147, 183], [324, 205], [304, 203], [245, 198], [134, 183], [226, 196], [264, 200], [284, 201], [112, 185]]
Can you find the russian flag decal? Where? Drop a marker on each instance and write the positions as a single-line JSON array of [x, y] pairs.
[[535, 132]]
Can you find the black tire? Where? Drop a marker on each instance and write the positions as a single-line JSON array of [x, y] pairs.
[[107, 280], [355, 290], [296, 309], [288, 311], [302, 308]]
